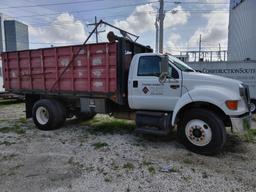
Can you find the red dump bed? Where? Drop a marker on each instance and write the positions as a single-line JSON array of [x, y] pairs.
[[93, 70], [98, 70]]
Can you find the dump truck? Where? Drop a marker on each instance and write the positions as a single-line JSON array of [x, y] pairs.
[[127, 80]]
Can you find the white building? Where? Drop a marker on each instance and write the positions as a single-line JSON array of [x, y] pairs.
[[242, 30], [2, 35]]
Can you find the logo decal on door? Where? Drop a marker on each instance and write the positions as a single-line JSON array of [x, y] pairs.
[[153, 89], [145, 90]]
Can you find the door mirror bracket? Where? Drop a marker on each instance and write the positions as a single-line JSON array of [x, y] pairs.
[[162, 77], [163, 69]]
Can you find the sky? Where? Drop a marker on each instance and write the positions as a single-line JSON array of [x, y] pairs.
[[65, 22]]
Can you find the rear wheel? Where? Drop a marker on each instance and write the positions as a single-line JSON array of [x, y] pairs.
[[202, 131], [47, 114]]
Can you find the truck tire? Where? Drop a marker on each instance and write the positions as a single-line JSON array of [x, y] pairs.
[[253, 106], [202, 131], [84, 116], [61, 112], [46, 114]]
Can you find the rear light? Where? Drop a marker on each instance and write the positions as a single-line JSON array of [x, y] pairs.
[[232, 104]]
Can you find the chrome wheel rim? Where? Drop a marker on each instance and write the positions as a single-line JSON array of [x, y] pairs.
[[198, 132], [42, 115]]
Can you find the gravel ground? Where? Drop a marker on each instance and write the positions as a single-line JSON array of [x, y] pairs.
[[76, 159]]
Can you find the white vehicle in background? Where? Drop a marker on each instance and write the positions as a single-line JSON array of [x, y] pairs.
[[244, 71]]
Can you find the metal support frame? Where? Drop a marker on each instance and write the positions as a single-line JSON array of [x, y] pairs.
[[123, 32]]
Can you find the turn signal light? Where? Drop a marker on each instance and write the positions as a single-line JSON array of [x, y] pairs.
[[232, 105]]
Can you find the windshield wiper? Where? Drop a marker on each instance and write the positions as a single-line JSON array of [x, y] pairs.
[[188, 70]]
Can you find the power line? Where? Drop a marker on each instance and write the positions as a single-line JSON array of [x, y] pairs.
[[41, 43], [46, 24], [197, 11], [114, 7], [91, 10], [120, 16], [152, 12], [50, 4], [196, 2]]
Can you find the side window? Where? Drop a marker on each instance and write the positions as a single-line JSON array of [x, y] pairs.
[[173, 73], [149, 66]]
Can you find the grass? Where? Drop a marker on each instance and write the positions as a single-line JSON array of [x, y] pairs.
[[175, 169], [151, 170], [23, 120], [13, 126], [13, 129], [6, 143], [250, 136], [109, 125], [9, 102], [99, 145], [187, 161], [74, 163], [150, 167], [128, 166], [108, 179], [89, 169], [8, 157], [146, 163], [114, 166]]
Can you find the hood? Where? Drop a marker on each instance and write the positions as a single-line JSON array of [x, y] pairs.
[[210, 78], [195, 79]]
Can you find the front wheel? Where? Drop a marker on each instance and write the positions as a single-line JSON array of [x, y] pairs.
[[201, 131]]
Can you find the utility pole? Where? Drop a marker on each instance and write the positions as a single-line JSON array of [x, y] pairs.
[[219, 54], [96, 31], [157, 32], [161, 27], [200, 46]]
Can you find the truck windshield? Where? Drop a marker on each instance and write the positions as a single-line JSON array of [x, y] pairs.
[[180, 64]]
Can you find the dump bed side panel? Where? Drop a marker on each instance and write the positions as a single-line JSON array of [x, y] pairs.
[[93, 70]]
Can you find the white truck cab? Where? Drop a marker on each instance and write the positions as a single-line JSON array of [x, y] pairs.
[[166, 92]]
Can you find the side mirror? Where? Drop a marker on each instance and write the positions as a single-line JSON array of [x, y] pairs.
[[163, 69]]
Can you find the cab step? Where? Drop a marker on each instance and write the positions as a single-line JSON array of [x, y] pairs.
[[156, 123]]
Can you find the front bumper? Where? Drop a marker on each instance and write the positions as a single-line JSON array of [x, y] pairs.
[[241, 123]]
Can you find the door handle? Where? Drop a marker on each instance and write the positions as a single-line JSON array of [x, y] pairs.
[[135, 84], [174, 86]]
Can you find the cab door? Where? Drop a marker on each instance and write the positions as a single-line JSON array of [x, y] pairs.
[[145, 90]]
